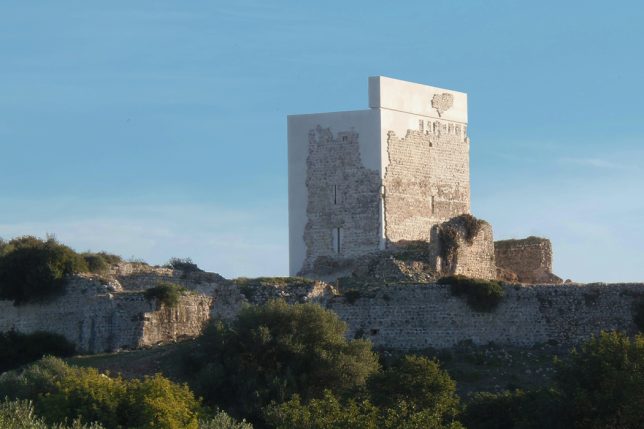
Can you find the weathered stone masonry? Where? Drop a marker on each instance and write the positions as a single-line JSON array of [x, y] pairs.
[[343, 206], [426, 180], [530, 259], [409, 316], [416, 317], [97, 319]]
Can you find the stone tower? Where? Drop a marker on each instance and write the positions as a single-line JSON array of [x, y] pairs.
[[362, 180]]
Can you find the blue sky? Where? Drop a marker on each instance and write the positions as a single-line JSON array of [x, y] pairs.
[[156, 129]]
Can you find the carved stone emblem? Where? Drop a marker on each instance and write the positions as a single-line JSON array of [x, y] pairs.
[[442, 102]]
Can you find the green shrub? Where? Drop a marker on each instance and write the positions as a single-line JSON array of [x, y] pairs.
[[418, 382], [221, 420], [21, 415], [33, 380], [514, 410], [60, 392], [331, 412], [167, 294], [601, 383], [273, 351], [33, 270], [100, 262], [480, 295], [17, 349]]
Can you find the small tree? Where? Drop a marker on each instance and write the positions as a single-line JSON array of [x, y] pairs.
[[273, 351], [602, 382], [32, 269], [420, 383]]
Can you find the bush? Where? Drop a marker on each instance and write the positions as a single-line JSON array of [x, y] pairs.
[[638, 314], [418, 382], [100, 262], [61, 392], [273, 351], [17, 349], [221, 420], [167, 294], [34, 380], [186, 265], [33, 270], [330, 412], [599, 386], [480, 295], [602, 382], [21, 415], [514, 410]]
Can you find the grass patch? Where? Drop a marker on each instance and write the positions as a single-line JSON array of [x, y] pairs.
[[480, 295]]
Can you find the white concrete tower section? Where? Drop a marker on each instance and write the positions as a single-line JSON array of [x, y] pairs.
[[362, 180]]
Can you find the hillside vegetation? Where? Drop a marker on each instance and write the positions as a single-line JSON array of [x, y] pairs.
[[33, 270], [291, 366]]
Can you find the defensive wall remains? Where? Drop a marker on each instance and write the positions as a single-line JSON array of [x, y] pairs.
[[421, 316], [97, 319], [530, 259], [99, 315]]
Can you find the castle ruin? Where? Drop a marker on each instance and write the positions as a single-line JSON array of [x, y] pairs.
[[366, 181]]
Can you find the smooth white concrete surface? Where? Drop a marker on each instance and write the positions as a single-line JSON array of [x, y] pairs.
[[394, 94]]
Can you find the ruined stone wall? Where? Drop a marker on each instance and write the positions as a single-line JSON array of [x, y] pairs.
[[427, 179], [343, 199], [420, 316], [96, 319], [530, 259], [229, 299], [138, 277], [463, 246], [475, 259]]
